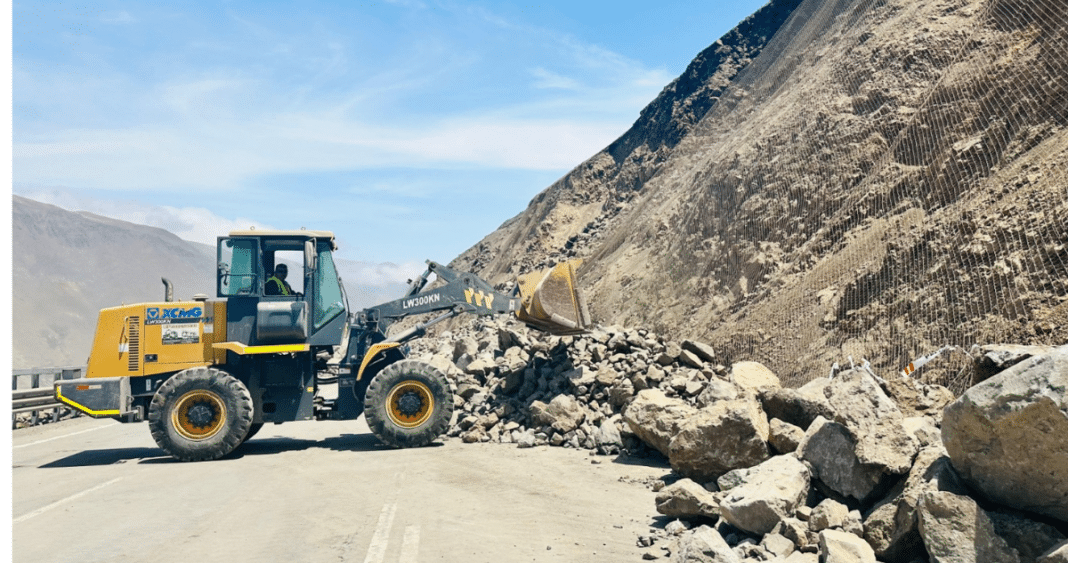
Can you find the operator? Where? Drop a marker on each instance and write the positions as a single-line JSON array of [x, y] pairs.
[[276, 284]]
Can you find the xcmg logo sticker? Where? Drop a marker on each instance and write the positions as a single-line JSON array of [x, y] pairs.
[[167, 315]]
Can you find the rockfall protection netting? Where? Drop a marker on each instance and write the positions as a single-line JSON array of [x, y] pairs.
[[919, 201]]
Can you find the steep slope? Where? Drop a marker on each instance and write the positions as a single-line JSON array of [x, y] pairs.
[[885, 178]]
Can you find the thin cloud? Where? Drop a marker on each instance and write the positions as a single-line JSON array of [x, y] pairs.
[[195, 224], [118, 18], [546, 79]]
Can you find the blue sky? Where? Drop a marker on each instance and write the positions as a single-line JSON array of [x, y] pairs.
[[409, 128]]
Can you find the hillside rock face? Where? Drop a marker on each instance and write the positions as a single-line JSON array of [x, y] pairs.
[[876, 180], [1008, 436]]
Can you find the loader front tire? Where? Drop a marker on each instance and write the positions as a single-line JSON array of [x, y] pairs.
[[408, 404], [200, 414]]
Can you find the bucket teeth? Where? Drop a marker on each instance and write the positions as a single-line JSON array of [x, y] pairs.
[[552, 301]]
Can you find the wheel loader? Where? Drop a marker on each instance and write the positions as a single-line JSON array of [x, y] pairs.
[[207, 374]]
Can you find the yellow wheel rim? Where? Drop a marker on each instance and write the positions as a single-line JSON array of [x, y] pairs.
[[199, 415], [409, 404]]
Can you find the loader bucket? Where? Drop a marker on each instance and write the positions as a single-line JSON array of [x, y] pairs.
[[551, 300]]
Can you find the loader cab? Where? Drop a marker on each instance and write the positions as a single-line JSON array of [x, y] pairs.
[[313, 314]]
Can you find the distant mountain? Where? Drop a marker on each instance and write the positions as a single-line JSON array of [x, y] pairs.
[[66, 266]]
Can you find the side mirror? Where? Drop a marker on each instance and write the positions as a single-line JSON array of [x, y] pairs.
[[309, 255]]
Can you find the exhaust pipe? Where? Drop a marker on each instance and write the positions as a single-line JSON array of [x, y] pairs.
[[168, 294]]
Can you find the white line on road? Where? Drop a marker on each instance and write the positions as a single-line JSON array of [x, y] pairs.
[[44, 509], [376, 552], [410, 547], [60, 437]]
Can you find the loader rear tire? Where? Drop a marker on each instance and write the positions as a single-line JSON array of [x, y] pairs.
[[252, 430], [200, 414], [408, 404]]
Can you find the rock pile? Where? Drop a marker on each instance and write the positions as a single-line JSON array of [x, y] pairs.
[[850, 468], [517, 386]]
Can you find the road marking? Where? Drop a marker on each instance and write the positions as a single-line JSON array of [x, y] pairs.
[[410, 547], [44, 509], [61, 437], [376, 552]]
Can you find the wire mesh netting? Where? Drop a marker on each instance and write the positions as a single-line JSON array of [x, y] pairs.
[[887, 178]]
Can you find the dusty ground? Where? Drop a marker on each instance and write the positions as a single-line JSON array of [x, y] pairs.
[[320, 491]]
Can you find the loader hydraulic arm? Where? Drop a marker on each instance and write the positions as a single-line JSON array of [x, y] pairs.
[[462, 292]]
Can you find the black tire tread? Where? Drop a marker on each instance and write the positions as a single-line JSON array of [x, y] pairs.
[[230, 388], [378, 390]]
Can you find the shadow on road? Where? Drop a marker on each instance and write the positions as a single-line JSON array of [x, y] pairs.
[[256, 446], [91, 458]]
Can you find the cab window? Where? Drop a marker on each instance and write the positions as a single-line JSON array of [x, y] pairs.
[[237, 271]]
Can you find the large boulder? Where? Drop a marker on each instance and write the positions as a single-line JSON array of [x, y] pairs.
[[721, 437], [830, 449], [563, 413], [874, 420], [753, 376], [955, 530], [686, 499], [655, 418], [772, 491], [794, 406], [704, 545], [892, 525], [1007, 436], [837, 546]]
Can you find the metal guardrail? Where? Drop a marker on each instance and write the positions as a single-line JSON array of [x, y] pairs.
[[31, 393]]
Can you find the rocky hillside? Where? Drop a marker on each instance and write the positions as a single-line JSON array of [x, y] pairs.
[[834, 178]]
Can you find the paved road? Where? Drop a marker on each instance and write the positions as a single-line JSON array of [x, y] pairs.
[[95, 490]]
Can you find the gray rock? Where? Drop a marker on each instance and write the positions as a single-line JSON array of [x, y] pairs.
[[829, 513], [1058, 554], [717, 390], [753, 376], [563, 413], [721, 437], [783, 436], [841, 547], [688, 358], [621, 393], [608, 439], [923, 430], [772, 491], [831, 451], [778, 545], [1006, 436], [955, 530], [794, 407], [686, 499], [700, 349], [992, 359], [874, 420], [1030, 539], [524, 439], [892, 525], [796, 531], [704, 545], [732, 478], [655, 418]]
